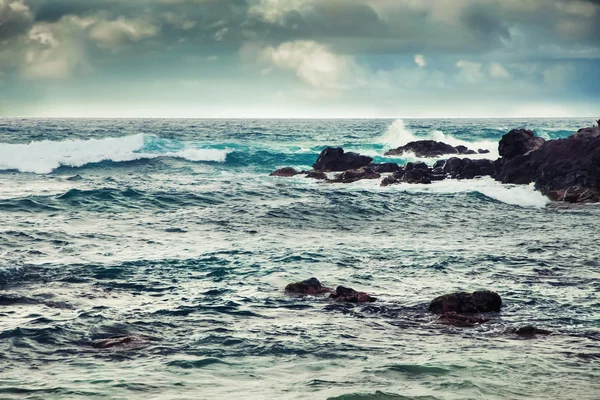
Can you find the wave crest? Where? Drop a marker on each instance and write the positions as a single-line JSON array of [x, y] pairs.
[[45, 156]]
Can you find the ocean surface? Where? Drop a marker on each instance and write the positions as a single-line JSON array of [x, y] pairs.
[[173, 230]]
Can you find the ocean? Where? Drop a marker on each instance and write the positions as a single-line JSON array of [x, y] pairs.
[[173, 230]]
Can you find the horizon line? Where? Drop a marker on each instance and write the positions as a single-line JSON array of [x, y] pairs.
[[285, 118]]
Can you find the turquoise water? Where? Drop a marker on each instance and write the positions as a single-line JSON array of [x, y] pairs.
[[173, 230]]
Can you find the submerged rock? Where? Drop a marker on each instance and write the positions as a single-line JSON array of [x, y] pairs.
[[460, 320], [335, 159], [530, 331], [310, 287], [385, 167], [467, 303], [344, 294], [390, 180], [121, 341], [354, 175], [285, 172], [429, 148]]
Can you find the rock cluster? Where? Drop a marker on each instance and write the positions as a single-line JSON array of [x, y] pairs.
[[563, 169]]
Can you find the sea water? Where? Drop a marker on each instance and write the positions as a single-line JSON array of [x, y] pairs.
[[174, 230]]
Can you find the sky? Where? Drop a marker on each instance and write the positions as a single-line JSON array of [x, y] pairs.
[[300, 58]]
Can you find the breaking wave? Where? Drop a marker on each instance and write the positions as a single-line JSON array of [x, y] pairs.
[[43, 157]]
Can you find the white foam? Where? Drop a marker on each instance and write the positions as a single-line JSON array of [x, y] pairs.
[[45, 156], [519, 195], [397, 135]]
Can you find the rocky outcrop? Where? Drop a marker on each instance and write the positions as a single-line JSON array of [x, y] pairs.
[[518, 142], [320, 175], [466, 168], [285, 172], [354, 175], [335, 159], [429, 148], [310, 287], [563, 169], [467, 303], [344, 294]]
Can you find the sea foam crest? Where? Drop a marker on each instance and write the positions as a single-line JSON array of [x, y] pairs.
[[397, 134], [45, 156]]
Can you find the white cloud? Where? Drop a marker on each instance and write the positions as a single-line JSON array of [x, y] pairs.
[[558, 75], [420, 60], [122, 30], [54, 50], [316, 65], [470, 71], [220, 34], [499, 72], [273, 11]]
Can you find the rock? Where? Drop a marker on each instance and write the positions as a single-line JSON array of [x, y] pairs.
[[468, 169], [385, 167], [530, 331], [518, 142], [483, 151], [344, 294], [563, 169], [354, 175], [467, 303], [439, 164], [390, 180], [335, 159], [455, 319], [310, 287], [285, 172], [417, 175], [121, 341], [316, 174], [428, 148]]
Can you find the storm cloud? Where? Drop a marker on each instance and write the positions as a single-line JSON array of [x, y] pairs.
[[299, 52]]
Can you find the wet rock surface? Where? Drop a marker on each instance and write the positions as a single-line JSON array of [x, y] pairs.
[[344, 294], [310, 286], [467, 303], [336, 159], [429, 148]]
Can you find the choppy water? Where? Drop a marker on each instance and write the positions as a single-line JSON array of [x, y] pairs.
[[172, 229]]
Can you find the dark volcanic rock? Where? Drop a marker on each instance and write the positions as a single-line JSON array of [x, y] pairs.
[[316, 174], [390, 180], [344, 294], [385, 167], [529, 331], [354, 175], [429, 148], [335, 159], [285, 172], [417, 176], [518, 142], [563, 169], [483, 151], [468, 169], [455, 319], [310, 286], [466, 303]]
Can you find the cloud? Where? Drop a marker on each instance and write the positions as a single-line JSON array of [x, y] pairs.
[[15, 18], [420, 60], [470, 71], [115, 33], [315, 64], [498, 71]]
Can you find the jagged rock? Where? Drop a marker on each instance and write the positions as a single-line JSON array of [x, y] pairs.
[[390, 180], [563, 169], [468, 169], [344, 294], [310, 286], [385, 167], [429, 148], [466, 303], [354, 175], [316, 175], [483, 151], [335, 159], [285, 172], [518, 142]]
